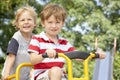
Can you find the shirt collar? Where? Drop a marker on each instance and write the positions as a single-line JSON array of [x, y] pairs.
[[43, 35]]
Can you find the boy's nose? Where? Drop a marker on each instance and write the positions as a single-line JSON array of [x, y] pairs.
[[54, 25], [26, 21]]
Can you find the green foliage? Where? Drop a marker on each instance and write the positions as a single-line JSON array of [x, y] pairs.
[[116, 70], [1, 67], [2, 59]]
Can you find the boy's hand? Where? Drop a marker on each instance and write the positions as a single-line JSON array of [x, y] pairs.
[[101, 53], [5, 77], [51, 53]]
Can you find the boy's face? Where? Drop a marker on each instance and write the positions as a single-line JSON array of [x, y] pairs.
[[52, 26], [26, 22]]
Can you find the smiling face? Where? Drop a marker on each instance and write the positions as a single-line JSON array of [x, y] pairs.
[[26, 22], [52, 26], [52, 19]]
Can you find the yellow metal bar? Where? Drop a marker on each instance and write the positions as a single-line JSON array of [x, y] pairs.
[[86, 75], [11, 77], [19, 67], [79, 78], [17, 74], [86, 71], [69, 64]]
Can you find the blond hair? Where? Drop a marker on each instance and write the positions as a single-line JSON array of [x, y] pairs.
[[22, 10], [55, 10]]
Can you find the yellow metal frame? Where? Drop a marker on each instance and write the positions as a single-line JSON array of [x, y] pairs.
[[17, 74], [69, 64]]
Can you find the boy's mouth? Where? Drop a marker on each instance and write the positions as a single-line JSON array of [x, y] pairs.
[[26, 26]]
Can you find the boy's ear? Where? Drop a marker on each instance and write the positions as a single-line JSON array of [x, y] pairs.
[[63, 23], [35, 25], [42, 23]]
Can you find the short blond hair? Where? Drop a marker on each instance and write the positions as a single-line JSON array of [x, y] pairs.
[[22, 10], [53, 9]]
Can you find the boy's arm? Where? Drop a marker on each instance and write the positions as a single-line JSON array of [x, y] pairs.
[[35, 58], [8, 65]]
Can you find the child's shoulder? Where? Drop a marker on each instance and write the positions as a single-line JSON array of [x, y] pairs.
[[17, 35]]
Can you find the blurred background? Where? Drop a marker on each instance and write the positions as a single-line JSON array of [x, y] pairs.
[[86, 21]]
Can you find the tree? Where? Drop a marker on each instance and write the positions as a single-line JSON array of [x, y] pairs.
[[86, 20]]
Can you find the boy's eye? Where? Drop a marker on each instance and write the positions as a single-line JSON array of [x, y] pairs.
[[49, 22], [58, 22], [29, 19], [22, 20]]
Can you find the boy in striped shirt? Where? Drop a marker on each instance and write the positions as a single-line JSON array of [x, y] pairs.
[[44, 46]]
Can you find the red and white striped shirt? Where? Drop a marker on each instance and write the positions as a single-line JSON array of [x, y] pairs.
[[40, 43]]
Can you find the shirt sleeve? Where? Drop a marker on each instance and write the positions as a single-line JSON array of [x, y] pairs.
[[34, 45], [12, 46], [71, 47]]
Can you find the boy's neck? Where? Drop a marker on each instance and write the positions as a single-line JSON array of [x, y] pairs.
[[27, 36], [53, 38]]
